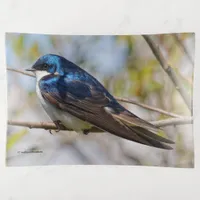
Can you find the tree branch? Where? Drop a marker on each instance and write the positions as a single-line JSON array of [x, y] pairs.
[[118, 98], [51, 126], [168, 69], [173, 121], [42, 125], [20, 71], [182, 46], [148, 107]]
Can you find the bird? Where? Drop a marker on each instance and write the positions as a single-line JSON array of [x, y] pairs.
[[75, 99]]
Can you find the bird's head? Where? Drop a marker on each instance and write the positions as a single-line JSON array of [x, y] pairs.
[[48, 64]]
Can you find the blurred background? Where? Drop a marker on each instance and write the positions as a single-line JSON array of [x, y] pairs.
[[127, 68]]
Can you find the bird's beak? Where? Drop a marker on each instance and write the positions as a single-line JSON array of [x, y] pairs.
[[30, 69]]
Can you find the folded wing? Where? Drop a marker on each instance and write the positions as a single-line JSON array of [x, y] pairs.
[[91, 104]]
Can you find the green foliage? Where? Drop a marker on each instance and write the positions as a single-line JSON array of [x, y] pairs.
[[18, 45], [14, 138], [142, 79], [34, 52], [146, 74], [134, 81], [179, 142], [154, 86], [119, 87], [31, 93]]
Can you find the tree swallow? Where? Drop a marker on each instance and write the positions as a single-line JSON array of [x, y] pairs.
[[74, 98]]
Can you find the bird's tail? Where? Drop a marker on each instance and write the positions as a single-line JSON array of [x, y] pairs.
[[146, 132]]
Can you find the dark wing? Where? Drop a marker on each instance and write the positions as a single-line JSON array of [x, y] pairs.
[[93, 104]]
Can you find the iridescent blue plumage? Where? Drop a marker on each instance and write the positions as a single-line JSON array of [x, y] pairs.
[[72, 80], [62, 85], [75, 98]]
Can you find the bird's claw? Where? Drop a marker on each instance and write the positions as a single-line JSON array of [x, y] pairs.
[[86, 131], [58, 126]]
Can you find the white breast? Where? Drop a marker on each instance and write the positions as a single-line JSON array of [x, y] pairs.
[[67, 119]]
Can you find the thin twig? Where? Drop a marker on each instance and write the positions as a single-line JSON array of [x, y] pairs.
[[20, 71], [148, 107], [168, 69], [43, 125], [119, 99], [51, 126], [184, 49], [173, 121]]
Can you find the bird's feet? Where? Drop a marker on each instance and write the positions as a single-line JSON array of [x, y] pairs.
[[58, 126], [86, 131]]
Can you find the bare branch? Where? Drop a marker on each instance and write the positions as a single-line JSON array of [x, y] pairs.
[[148, 107], [43, 125], [168, 69], [20, 71], [118, 98], [182, 46], [51, 126], [173, 121]]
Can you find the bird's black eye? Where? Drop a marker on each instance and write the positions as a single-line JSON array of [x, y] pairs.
[[44, 66]]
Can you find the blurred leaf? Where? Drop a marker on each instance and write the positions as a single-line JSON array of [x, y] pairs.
[[138, 90], [18, 45], [133, 74], [154, 86], [146, 73], [175, 54], [180, 144], [133, 79], [146, 79], [149, 68], [14, 138], [31, 93], [106, 82], [119, 87], [53, 41], [34, 51], [141, 78], [151, 63]]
